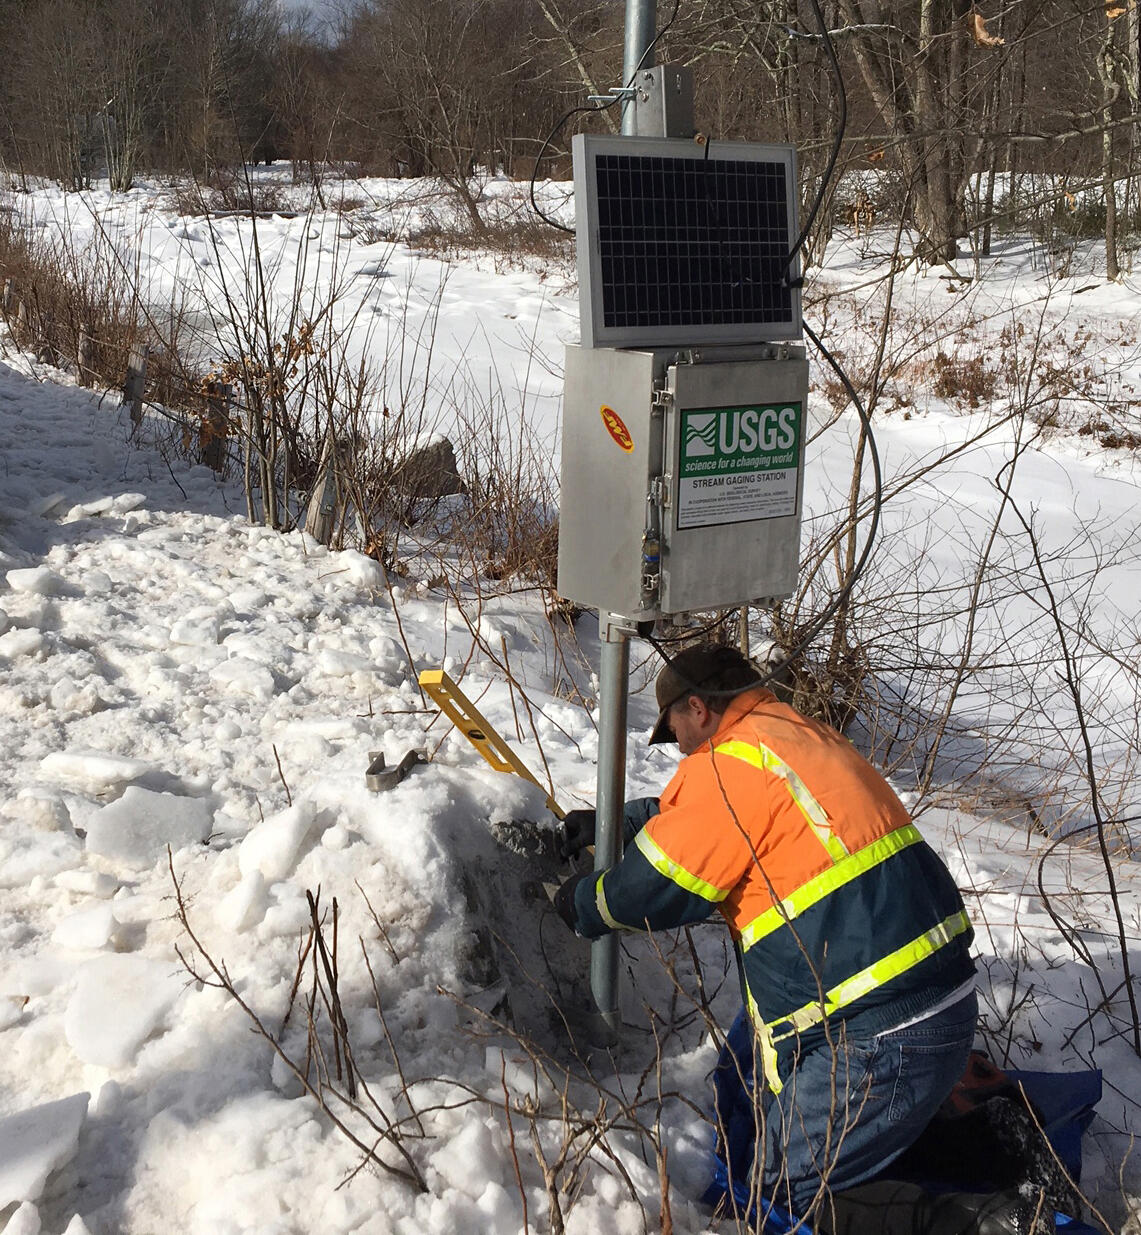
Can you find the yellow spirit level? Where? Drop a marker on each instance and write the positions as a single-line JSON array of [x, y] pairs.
[[468, 720]]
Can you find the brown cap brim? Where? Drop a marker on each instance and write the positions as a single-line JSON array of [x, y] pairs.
[[662, 731]]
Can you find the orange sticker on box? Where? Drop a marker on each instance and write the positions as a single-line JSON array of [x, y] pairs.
[[616, 428]]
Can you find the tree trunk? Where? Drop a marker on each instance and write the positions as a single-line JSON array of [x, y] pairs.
[[924, 110], [1109, 93]]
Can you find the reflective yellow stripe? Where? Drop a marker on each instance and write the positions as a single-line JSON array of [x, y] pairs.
[[760, 756], [867, 980], [815, 890], [665, 865], [764, 1036], [604, 909]]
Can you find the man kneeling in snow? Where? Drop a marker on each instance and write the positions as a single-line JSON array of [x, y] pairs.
[[851, 936]]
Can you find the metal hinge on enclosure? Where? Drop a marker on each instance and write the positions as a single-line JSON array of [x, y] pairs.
[[651, 571]]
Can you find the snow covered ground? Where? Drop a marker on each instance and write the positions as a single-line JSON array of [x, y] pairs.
[[172, 677]]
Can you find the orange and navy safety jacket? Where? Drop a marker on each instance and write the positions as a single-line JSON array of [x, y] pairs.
[[838, 909]]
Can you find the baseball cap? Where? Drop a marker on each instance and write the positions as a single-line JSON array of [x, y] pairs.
[[704, 668]]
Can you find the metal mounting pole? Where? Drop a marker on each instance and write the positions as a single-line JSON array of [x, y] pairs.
[[614, 666], [614, 675], [641, 19]]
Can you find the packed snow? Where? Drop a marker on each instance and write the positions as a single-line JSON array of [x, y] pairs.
[[188, 705]]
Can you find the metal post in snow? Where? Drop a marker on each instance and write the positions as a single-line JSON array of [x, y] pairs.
[[613, 684], [614, 663]]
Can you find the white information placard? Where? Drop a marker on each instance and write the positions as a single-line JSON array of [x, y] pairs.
[[738, 464]]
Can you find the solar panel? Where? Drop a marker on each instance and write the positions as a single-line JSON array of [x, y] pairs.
[[680, 244]]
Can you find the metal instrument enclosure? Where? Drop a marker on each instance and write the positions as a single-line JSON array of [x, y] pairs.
[[682, 480]]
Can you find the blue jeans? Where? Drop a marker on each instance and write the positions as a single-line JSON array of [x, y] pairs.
[[849, 1108]]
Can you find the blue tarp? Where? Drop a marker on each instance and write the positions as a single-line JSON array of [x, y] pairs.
[[1064, 1102]]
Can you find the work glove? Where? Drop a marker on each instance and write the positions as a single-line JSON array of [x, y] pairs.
[[564, 897], [579, 825]]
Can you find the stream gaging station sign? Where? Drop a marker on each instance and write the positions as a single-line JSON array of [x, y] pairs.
[[738, 464]]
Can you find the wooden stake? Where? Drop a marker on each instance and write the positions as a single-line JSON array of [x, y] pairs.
[[136, 380], [86, 354], [320, 514], [214, 431]]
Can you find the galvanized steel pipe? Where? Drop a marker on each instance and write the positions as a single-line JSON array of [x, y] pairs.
[[641, 20]]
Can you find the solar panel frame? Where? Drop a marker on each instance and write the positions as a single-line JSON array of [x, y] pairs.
[[680, 244]]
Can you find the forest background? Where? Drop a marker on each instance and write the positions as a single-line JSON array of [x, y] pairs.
[[956, 107]]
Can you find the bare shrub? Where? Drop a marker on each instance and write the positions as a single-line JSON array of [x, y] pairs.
[[230, 193], [513, 243], [965, 378], [66, 290]]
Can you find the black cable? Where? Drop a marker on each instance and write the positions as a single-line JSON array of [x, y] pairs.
[[599, 108], [539, 158], [842, 96]]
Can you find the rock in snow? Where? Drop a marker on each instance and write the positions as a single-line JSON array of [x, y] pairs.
[[136, 829], [36, 1142], [118, 1003]]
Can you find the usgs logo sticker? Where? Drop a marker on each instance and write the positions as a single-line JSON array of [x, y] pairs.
[[616, 428], [737, 464]]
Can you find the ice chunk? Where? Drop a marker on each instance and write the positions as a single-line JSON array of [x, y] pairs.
[[248, 598], [41, 809], [125, 502], [118, 1002], [94, 769], [88, 883], [244, 677], [16, 643], [137, 828], [44, 506], [100, 506], [389, 660], [94, 928], [26, 855], [272, 846], [244, 905], [67, 695], [341, 664], [38, 579], [198, 628], [365, 572], [108, 1102], [11, 1009], [36, 1142], [471, 1156]]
